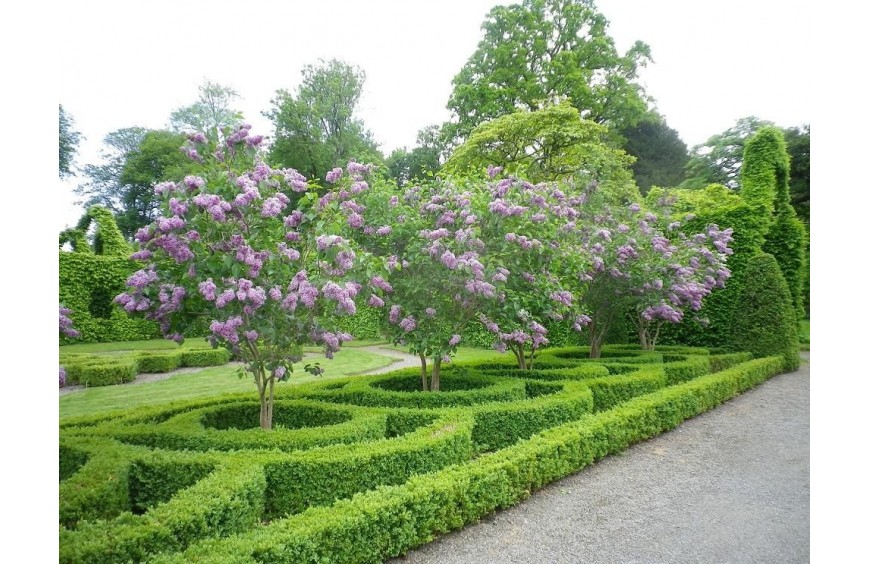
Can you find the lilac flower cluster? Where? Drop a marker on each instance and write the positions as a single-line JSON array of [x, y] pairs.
[[65, 323]]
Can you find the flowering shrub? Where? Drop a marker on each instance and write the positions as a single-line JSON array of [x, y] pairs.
[[66, 328], [435, 279], [522, 232], [640, 267], [228, 247]]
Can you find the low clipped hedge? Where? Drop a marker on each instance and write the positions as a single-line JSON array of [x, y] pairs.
[[205, 357], [363, 468], [157, 362], [100, 371], [365, 391], [106, 370], [388, 521]]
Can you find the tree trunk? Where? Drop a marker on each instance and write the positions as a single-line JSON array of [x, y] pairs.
[[520, 355], [436, 374], [266, 389], [423, 372]]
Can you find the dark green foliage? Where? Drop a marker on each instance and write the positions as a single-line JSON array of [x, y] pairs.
[[661, 154], [70, 461], [205, 357], [797, 140], [765, 324], [317, 129]]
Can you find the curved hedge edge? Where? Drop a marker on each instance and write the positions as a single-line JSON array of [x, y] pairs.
[[610, 391], [499, 425], [361, 392], [321, 476], [98, 489], [226, 501], [390, 520]]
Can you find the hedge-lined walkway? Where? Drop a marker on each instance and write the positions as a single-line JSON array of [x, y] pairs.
[[731, 485]]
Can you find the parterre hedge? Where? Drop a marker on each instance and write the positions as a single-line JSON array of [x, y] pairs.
[[105, 370], [362, 469]]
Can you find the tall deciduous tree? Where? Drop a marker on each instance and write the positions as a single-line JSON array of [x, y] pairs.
[[797, 140], [403, 165], [134, 161], [718, 160], [317, 129], [210, 114], [552, 143], [68, 144], [543, 51], [661, 154]]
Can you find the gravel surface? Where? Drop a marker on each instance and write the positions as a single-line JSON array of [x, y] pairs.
[[731, 485]]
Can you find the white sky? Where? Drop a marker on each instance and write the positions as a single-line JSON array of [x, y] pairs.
[[121, 67]]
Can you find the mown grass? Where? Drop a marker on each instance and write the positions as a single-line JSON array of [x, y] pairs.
[[210, 382], [464, 354]]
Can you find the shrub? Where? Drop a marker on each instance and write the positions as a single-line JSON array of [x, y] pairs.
[[101, 371], [205, 357], [156, 362], [766, 325]]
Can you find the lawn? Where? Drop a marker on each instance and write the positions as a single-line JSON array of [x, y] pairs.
[[207, 382], [465, 354]]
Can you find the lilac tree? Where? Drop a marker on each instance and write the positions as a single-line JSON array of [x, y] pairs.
[[228, 251], [435, 279], [521, 228], [66, 328], [640, 267]]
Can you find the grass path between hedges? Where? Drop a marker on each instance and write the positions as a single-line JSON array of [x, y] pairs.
[[355, 358]]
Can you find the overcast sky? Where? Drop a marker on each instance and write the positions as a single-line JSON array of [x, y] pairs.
[[122, 67]]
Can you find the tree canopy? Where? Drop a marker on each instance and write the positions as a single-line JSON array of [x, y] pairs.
[[134, 161], [68, 144], [210, 114], [552, 143], [718, 160], [317, 129], [545, 51], [661, 154]]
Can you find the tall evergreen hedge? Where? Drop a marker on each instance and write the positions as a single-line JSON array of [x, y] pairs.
[[92, 275], [765, 323]]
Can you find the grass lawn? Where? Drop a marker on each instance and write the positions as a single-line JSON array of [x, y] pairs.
[[126, 346], [208, 382], [464, 354]]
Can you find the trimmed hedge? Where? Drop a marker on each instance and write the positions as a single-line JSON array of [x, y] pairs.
[[100, 371], [336, 481], [767, 325], [157, 362], [390, 520], [205, 357]]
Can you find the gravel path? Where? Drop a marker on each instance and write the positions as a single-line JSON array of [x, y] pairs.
[[403, 360], [731, 485]]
